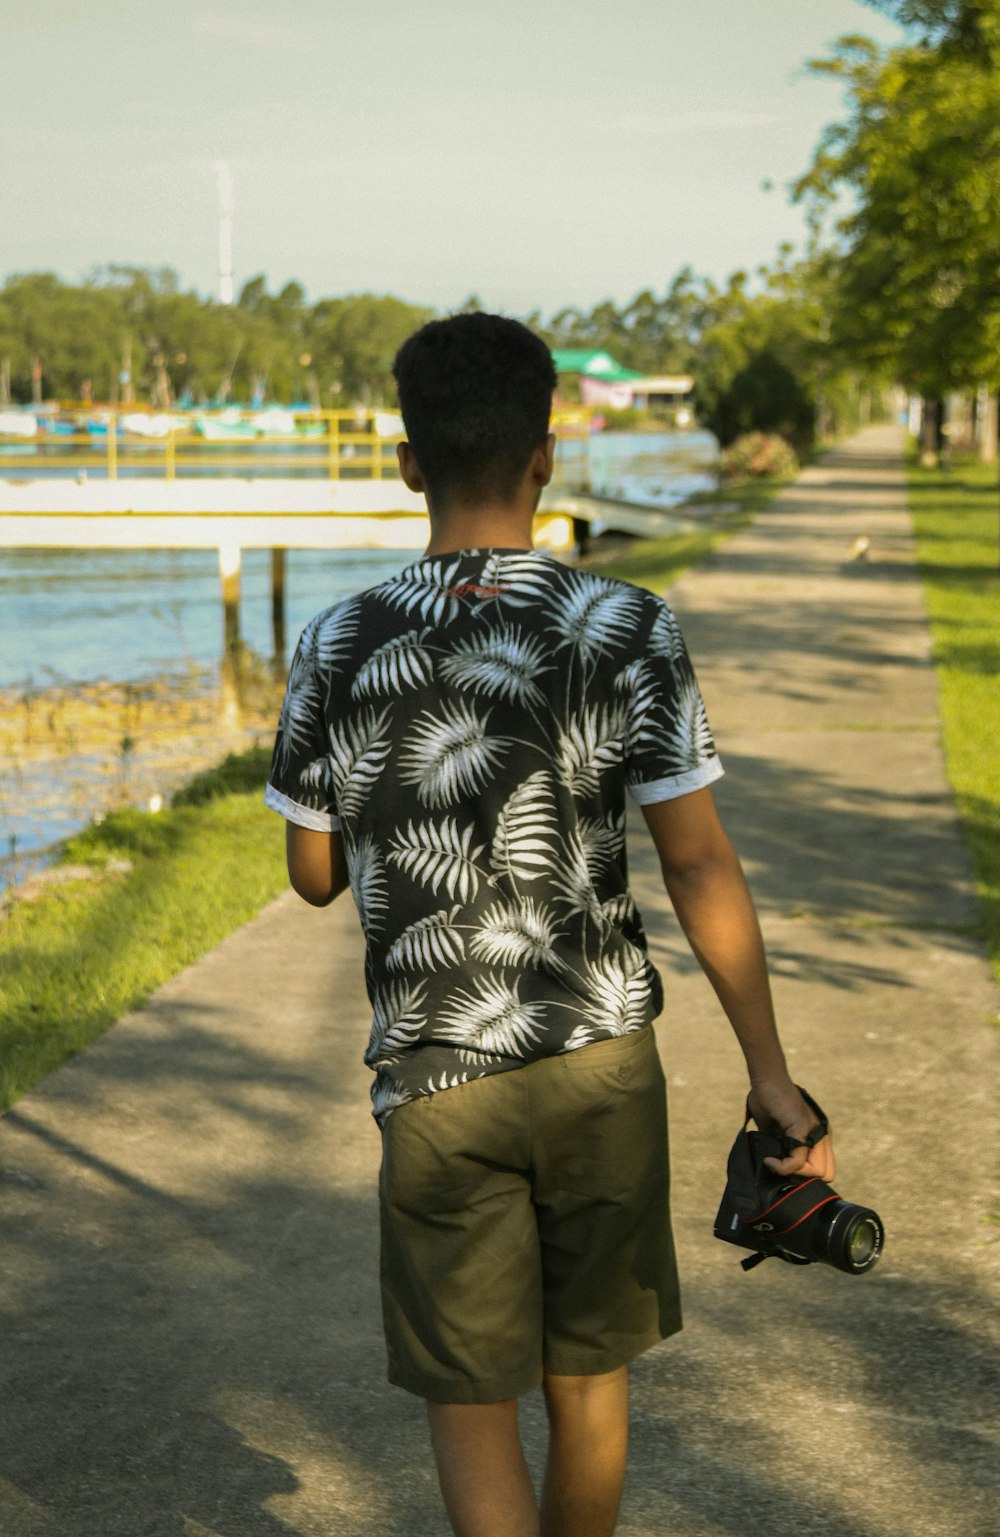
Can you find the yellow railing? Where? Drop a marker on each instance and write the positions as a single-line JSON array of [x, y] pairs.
[[337, 444]]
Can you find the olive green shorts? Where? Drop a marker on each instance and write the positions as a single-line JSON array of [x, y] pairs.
[[526, 1226]]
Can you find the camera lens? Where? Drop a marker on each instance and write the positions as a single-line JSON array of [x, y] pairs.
[[855, 1238], [862, 1243]]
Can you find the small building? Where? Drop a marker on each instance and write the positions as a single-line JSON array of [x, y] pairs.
[[601, 381], [604, 382], [673, 390]]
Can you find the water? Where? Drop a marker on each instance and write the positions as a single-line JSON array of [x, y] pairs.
[[657, 469], [77, 616]]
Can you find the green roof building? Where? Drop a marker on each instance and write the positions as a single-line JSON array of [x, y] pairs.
[[592, 364]]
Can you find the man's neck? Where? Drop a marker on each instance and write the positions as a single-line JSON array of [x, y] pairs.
[[505, 526]]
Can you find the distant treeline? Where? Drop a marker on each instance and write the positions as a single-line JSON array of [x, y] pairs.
[[127, 333]]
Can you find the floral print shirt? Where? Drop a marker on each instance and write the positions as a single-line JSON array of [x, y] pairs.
[[471, 726]]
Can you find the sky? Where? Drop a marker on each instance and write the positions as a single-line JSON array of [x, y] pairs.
[[538, 153]]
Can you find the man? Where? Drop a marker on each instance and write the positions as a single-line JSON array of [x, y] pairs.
[[456, 745]]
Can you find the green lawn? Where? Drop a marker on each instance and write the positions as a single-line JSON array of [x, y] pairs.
[[957, 522], [163, 890]]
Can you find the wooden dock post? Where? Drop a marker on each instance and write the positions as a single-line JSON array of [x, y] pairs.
[[230, 562], [278, 567]]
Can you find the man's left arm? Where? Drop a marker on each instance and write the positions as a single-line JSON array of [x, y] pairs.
[[705, 883], [317, 867]]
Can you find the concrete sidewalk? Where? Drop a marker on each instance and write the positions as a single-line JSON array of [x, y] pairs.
[[188, 1285]]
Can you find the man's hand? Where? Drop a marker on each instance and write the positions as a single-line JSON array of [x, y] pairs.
[[780, 1109]]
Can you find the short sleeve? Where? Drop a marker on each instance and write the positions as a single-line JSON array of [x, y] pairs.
[[300, 785], [669, 746]]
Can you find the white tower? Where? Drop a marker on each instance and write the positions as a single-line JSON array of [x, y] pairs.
[[226, 205]]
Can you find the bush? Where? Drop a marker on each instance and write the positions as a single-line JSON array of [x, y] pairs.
[[758, 454], [765, 396], [622, 418]]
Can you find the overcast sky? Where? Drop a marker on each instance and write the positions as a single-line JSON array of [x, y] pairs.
[[536, 152]]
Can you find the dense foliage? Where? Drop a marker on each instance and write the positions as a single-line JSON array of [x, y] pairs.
[[173, 344], [918, 287]]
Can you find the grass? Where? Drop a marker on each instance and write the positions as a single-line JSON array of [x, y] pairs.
[[155, 892], [956, 520], [161, 891]]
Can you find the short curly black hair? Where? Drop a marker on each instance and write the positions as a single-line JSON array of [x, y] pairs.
[[475, 392]]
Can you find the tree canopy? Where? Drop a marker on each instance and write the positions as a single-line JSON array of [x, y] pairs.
[[177, 345], [919, 155]]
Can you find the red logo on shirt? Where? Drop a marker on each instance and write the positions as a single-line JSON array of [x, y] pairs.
[[474, 590]]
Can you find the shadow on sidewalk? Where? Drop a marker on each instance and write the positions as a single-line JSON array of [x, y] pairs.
[[178, 1362]]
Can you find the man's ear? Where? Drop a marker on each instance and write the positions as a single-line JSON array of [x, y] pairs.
[[543, 461], [408, 467]]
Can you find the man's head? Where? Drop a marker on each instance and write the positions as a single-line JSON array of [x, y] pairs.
[[475, 392]]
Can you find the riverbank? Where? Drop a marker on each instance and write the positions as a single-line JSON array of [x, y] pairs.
[[72, 752]]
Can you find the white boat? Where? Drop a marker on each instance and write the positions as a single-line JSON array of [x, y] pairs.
[[18, 424]]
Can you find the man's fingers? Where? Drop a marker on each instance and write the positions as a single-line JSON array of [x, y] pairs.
[[807, 1162]]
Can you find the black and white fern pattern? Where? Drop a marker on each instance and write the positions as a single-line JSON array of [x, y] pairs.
[[501, 662], [425, 590], [642, 693], [490, 1020], [522, 579], [592, 617], [329, 637], [439, 854], [401, 663], [620, 910], [665, 637], [429, 944], [527, 831], [300, 710], [595, 741], [398, 1019], [520, 934], [618, 998], [688, 737], [573, 880], [358, 751], [388, 1094], [317, 776], [602, 841], [450, 756], [369, 887]]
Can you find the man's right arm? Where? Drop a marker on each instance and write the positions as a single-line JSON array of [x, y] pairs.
[[317, 867], [706, 884]]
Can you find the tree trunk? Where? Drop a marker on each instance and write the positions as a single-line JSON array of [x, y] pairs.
[[987, 422], [931, 424]]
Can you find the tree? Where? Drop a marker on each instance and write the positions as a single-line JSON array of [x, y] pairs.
[[765, 396], [919, 281]]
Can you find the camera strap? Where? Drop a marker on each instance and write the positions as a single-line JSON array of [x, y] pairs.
[[814, 1135]]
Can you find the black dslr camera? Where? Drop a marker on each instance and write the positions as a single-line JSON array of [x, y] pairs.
[[798, 1220]]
